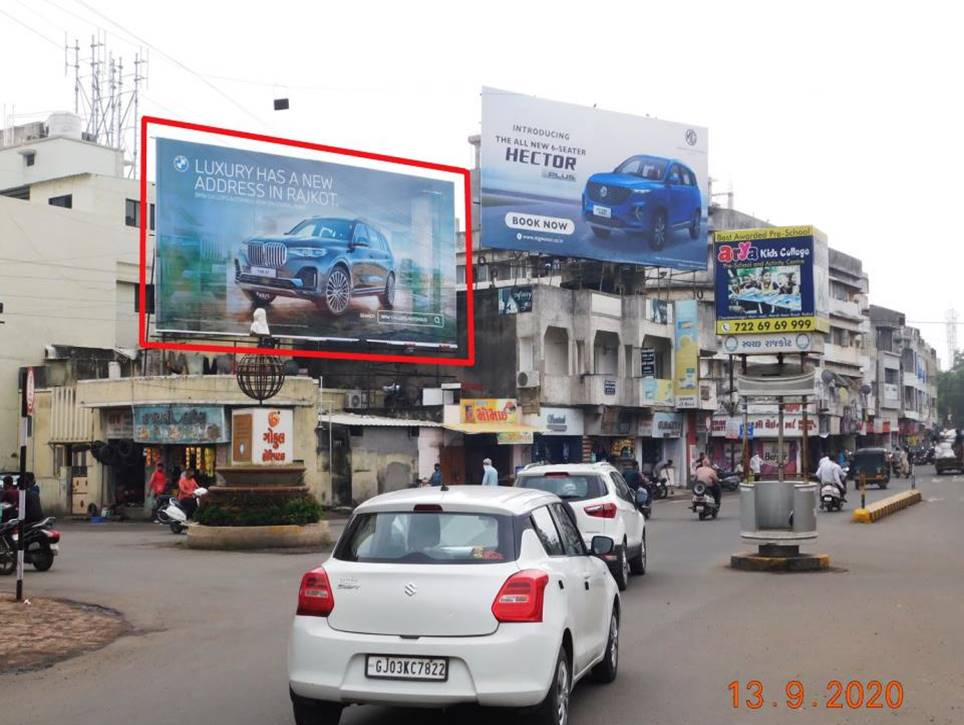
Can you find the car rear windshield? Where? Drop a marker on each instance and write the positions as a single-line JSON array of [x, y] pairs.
[[428, 537], [869, 460], [569, 487], [324, 228]]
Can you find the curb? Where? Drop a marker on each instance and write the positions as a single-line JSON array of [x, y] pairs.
[[801, 562], [238, 538], [886, 506]]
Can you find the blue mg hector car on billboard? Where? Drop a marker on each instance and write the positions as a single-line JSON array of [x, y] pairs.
[[647, 195]]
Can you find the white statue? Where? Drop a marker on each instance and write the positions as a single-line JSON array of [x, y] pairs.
[[259, 326]]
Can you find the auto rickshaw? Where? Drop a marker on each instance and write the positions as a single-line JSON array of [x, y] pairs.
[[873, 464]]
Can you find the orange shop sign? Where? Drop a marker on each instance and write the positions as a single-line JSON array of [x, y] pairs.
[[262, 436], [490, 410]]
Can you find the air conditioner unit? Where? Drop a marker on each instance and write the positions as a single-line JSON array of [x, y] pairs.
[[355, 399], [527, 379]]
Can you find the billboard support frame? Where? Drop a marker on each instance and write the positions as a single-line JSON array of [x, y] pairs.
[[467, 361]]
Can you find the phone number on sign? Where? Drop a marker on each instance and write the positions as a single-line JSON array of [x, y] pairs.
[[781, 324], [853, 695]]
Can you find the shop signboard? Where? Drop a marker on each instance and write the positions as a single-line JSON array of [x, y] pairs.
[[178, 423], [490, 410], [262, 436], [557, 421], [656, 391], [765, 282], [762, 426], [891, 393], [687, 355], [661, 425], [647, 358], [118, 424], [573, 181], [513, 300], [514, 438], [331, 246], [770, 344]]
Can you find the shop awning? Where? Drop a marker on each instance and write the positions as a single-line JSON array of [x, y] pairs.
[[374, 421], [476, 428]]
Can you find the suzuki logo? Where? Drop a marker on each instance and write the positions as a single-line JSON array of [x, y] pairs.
[[603, 191], [410, 589]]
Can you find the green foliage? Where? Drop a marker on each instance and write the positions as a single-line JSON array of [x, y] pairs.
[[299, 510], [950, 392]]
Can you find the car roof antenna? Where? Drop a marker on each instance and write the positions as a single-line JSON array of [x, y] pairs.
[[444, 488]]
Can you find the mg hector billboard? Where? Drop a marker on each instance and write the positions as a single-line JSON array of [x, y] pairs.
[[568, 180]]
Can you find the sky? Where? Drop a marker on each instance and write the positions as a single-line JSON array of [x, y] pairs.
[[840, 115]]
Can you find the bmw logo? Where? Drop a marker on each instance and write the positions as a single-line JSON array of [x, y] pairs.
[[603, 191], [691, 137], [181, 163]]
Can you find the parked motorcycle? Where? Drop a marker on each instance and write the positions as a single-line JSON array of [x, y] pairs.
[[703, 502], [172, 514], [831, 499], [41, 545], [660, 487], [729, 480]]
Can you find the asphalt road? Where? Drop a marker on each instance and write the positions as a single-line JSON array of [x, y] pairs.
[[211, 627]]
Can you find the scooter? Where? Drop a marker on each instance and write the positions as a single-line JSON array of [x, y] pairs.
[[703, 502], [41, 544], [729, 480], [660, 487], [173, 515], [831, 499]]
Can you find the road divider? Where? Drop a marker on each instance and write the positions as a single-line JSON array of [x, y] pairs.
[[886, 506]]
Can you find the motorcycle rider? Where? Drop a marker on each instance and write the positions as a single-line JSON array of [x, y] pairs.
[[830, 473], [633, 477], [185, 492], [706, 475]]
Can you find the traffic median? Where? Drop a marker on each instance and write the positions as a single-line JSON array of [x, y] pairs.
[[886, 506]]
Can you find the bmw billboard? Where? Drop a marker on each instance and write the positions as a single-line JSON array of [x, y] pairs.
[[572, 181], [339, 249]]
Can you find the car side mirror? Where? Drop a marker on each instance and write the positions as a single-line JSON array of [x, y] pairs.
[[601, 546], [360, 243]]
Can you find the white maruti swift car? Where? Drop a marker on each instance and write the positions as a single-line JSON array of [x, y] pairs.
[[438, 596]]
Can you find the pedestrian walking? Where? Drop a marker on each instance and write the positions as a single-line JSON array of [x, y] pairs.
[[490, 476], [157, 485]]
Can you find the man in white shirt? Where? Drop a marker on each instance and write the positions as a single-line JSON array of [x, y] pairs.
[[756, 466], [490, 476], [830, 473]]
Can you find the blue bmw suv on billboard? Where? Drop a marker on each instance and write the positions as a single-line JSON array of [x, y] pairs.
[[647, 195], [328, 261]]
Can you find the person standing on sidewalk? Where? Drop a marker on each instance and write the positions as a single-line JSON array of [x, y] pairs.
[[436, 479], [490, 476], [756, 466]]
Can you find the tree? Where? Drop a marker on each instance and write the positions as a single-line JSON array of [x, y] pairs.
[[950, 393]]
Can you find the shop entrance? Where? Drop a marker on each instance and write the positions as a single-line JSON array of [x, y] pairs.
[[557, 449], [481, 446]]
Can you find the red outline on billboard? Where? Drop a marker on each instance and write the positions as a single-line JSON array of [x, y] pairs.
[[467, 361]]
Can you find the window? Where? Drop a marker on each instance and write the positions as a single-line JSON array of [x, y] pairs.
[[546, 531], [629, 167], [151, 220], [577, 487], [622, 488], [66, 201], [428, 537], [29, 158], [132, 212], [687, 177], [571, 538], [674, 175], [325, 228], [361, 233]]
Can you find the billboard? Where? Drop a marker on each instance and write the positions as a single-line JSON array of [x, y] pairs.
[[340, 251], [262, 436], [573, 181], [686, 366], [765, 281]]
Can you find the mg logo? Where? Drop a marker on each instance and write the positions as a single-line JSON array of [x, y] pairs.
[[691, 137], [181, 163], [603, 191], [410, 589]]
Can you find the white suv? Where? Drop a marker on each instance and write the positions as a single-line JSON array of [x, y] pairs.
[[436, 596], [604, 504]]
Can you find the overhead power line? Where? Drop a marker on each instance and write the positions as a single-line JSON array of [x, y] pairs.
[[32, 29]]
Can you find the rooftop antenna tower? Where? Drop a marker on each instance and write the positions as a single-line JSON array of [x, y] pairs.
[[106, 95]]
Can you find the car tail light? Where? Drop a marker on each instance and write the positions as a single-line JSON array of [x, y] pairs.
[[602, 510], [53, 535], [315, 598], [521, 596], [427, 507]]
